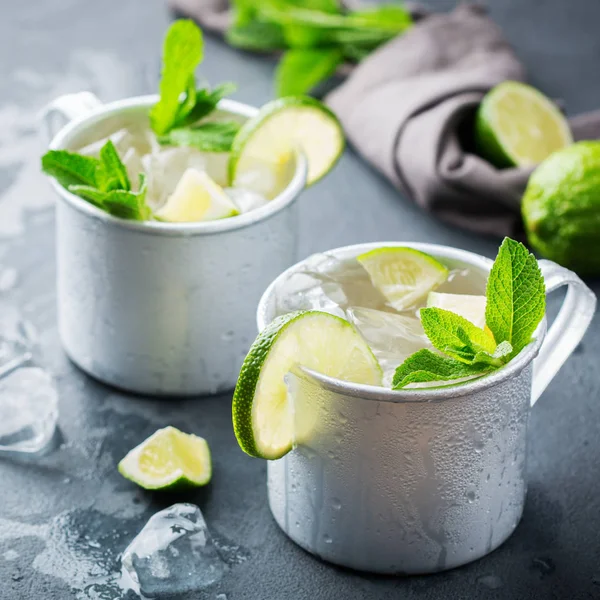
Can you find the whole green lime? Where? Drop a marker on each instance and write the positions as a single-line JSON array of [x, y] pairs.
[[561, 208]]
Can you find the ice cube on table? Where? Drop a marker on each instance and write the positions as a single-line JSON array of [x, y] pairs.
[[245, 200], [28, 409], [393, 337], [173, 554]]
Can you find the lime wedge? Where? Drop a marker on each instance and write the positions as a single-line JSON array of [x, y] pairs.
[[197, 198], [168, 460], [516, 125], [471, 308], [262, 415], [403, 275], [266, 144]]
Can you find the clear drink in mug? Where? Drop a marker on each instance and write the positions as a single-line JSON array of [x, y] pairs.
[[343, 287]]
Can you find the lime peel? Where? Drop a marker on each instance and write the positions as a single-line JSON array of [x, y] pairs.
[[262, 415], [403, 275], [516, 125], [272, 137], [169, 460]]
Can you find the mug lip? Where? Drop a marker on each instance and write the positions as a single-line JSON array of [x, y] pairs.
[[93, 117], [433, 394]]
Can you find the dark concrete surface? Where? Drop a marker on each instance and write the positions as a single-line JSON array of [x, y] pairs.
[[65, 517]]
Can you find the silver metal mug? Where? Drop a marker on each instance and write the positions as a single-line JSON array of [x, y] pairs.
[[161, 308], [418, 481]]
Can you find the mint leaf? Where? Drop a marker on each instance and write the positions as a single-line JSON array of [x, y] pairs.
[[111, 173], [299, 71], [208, 137], [119, 203], [424, 366], [328, 6], [257, 35], [127, 205], [69, 168], [498, 358], [355, 51], [516, 296], [189, 101], [89, 193], [182, 52], [205, 101], [448, 331], [387, 17], [384, 22]]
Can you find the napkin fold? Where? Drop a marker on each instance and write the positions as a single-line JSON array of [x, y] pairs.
[[408, 108]]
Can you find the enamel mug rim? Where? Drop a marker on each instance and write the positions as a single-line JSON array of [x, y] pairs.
[[90, 118], [580, 303]]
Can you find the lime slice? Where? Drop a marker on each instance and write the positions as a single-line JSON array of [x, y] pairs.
[[168, 460], [471, 308], [516, 125], [197, 198], [262, 415], [403, 275], [266, 144]]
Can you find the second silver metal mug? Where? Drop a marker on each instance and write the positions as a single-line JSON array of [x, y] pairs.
[[424, 480], [161, 308]]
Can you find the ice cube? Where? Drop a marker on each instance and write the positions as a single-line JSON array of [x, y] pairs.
[[303, 292], [245, 200], [133, 163], [327, 283], [140, 138], [28, 409], [173, 554], [165, 168], [217, 166], [393, 337]]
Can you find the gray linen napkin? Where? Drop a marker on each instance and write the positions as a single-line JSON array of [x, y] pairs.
[[406, 105], [408, 108]]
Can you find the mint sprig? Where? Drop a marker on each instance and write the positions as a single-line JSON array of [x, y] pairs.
[[424, 366], [101, 181], [516, 295], [516, 303], [454, 335], [182, 53], [181, 103], [205, 102], [315, 35], [301, 69], [175, 119], [207, 137], [111, 173], [69, 168]]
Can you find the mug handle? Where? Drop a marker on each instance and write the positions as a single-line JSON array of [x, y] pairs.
[[64, 109], [568, 328]]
